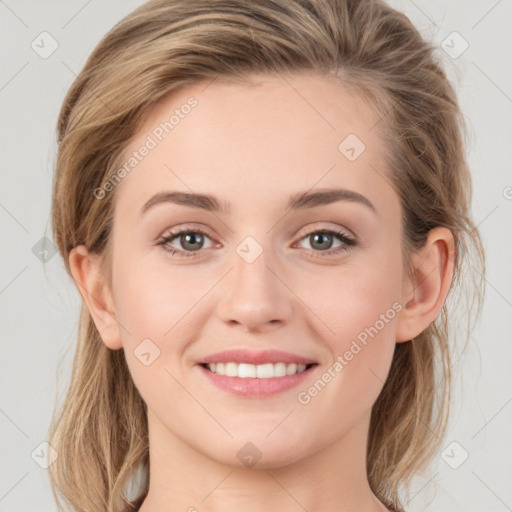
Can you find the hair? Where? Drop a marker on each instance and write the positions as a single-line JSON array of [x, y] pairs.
[[163, 46]]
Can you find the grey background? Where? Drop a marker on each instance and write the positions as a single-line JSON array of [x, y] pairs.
[[39, 304]]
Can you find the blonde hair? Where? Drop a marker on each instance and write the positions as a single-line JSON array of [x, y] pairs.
[[101, 432]]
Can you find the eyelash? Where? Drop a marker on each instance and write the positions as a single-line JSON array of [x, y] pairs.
[[348, 242]]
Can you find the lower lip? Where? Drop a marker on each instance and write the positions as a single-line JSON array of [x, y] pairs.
[[251, 387]]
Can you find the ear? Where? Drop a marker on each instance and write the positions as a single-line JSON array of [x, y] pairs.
[[425, 293], [93, 286]]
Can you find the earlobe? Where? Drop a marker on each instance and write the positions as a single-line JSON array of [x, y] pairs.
[[425, 294], [93, 287]]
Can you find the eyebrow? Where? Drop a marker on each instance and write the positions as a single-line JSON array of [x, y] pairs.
[[298, 201]]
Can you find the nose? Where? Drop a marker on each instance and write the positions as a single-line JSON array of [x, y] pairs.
[[254, 295]]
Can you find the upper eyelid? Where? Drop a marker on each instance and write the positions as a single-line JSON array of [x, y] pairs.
[[334, 230], [187, 228], [193, 229]]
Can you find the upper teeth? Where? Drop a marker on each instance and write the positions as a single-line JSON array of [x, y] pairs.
[[260, 371]]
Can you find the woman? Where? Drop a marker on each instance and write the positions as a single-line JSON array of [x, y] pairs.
[[207, 151]]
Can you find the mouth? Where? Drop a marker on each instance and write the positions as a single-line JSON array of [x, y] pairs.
[[256, 381], [259, 371]]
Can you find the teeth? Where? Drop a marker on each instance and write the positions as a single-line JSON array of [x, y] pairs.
[[260, 371]]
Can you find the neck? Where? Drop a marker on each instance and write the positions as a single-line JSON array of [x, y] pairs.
[[330, 480]]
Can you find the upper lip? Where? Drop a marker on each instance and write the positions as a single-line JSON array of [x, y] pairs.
[[250, 357]]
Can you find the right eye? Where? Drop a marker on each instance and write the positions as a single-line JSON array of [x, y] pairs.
[[187, 237]]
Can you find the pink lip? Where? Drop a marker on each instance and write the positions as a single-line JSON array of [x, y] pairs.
[[262, 357], [256, 388]]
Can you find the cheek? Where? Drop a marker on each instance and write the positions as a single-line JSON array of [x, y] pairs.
[[160, 309], [151, 300], [156, 309], [354, 296], [361, 342], [357, 307]]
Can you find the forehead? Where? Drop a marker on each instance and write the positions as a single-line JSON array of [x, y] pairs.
[[264, 139]]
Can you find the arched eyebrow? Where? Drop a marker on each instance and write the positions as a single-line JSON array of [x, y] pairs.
[[298, 201]]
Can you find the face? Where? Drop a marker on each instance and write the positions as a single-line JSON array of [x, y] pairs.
[[319, 279]]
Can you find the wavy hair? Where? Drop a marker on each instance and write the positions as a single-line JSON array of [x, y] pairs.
[[100, 430]]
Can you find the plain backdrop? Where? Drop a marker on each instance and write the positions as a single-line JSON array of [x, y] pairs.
[[39, 303]]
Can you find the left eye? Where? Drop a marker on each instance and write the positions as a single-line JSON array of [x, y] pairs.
[[323, 240], [192, 241]]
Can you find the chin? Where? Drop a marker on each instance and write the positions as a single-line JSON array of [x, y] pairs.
[[258, 452]]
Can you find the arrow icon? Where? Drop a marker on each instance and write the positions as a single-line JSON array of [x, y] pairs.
[[44, 45], [44, 455], [249, 455], [147, 352], [351, 147], [454, 45]]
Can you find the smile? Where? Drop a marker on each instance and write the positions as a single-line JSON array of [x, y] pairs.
[[260, 371], [256, 381]]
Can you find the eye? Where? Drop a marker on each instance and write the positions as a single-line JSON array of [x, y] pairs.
[[322, 241], [191, 241]]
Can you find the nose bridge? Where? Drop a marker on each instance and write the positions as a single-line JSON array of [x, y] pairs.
[[253, 295], [252, 262]]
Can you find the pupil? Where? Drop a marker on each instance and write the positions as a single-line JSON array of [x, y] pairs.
[[190, 239], [320, 237]]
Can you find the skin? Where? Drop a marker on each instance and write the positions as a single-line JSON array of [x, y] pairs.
[[254, 146]]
